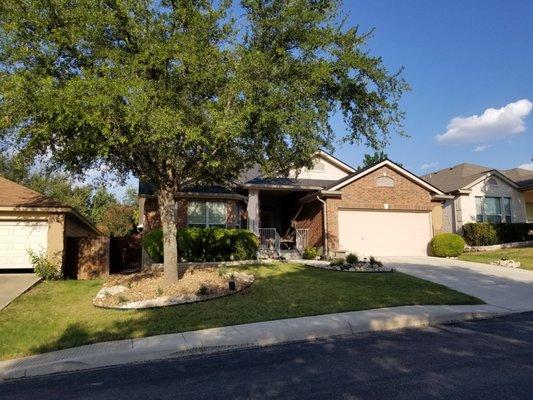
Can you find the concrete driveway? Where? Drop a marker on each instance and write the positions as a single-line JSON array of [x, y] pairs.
[[13, 285], [510, 289]]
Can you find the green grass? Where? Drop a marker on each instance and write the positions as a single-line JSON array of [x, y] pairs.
[[56, 315], [524, 255]]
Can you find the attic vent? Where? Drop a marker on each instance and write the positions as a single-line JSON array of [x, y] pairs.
[[384, 181], [492, 182]]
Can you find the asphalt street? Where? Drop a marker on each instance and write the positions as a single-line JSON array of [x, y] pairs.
[[488, 359]]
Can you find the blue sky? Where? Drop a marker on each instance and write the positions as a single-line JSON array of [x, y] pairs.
[[460, 58]]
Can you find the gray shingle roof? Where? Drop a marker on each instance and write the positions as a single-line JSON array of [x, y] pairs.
[[292, 182], [459, 176]]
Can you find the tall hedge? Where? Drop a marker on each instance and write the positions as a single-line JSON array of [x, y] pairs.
[[205, 244], [485, 234]]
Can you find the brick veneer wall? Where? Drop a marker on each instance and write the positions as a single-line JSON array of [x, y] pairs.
[[364, 194], [93, 257], [152, 218], [311, 217]]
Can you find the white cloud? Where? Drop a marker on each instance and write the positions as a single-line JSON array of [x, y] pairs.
[[527, 166], [482, 147], [493, 124], [428, 165]]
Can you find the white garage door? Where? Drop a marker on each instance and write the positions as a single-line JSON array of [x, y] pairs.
[[384, 233], [15, 240]]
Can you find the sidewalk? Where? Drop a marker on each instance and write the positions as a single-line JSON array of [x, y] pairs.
[[240, 336]]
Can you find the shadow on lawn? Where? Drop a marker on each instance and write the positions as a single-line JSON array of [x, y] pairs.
[[280, 291]]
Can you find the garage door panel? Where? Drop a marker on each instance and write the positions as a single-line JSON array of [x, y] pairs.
[[384, 233], [16, 238]]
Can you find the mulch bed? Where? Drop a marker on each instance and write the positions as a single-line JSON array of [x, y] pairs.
[[147, 289]]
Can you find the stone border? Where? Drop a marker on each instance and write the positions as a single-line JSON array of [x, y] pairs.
[[207, 264], [512, 245], [166, 301], [326, 265]]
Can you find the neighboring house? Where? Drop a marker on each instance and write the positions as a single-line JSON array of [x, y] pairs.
[[482, 194], [29, 220], [381, 210]]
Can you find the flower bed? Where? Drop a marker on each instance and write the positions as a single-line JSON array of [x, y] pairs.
[[147, 289], [360, 266]]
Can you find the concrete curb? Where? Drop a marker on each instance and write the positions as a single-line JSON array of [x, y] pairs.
[[239, 336]]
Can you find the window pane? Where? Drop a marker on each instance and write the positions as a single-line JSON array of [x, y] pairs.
[[479, 209], [218, 212], [507, 205], [494, 219], [493, 206], [196, 213]]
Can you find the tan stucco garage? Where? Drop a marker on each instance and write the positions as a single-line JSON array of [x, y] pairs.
[[29, 220], [384, 233]]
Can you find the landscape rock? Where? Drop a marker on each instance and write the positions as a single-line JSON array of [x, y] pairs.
[[506, 263]]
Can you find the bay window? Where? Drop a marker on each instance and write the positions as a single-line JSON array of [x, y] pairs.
[[204, 214], [494, 210]]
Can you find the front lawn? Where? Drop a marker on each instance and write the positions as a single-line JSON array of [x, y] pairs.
[[56, 315], [523, 255]]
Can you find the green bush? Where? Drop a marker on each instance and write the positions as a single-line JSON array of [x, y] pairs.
[[44, 267], [152, 243], [310, 253], [205, 244], [337, 262], [480, 234], [244, 244], [352, 258], [485, 234], [519, 232], [447, 245]]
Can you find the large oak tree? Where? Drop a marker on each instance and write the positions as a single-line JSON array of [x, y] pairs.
[[180, 91]]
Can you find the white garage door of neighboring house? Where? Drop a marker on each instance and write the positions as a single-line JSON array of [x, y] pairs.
[[15, 240], [384, 233]]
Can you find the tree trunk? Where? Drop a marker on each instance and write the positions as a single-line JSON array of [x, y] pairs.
[[167, 211]]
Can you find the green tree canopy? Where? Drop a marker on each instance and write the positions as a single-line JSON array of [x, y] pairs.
[[178, 92]]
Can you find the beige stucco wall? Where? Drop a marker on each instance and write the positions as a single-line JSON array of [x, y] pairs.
[[465, 205], [437, 219]]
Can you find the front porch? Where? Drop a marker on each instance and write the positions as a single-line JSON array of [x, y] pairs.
[[275, 216]]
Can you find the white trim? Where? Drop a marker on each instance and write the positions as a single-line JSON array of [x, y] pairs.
[[336, 162], [393, 166], [488, 175]]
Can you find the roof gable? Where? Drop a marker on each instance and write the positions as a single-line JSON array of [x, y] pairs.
[[326, 167], [15, 195], [402, 171]]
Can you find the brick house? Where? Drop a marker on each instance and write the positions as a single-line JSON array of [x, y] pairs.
[[380, 210]]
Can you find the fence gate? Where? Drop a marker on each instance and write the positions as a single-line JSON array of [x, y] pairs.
[[126, 253]]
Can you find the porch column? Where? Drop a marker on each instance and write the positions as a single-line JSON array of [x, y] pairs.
[[253, 211]]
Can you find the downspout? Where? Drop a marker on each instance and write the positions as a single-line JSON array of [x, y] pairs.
[[325, 216]]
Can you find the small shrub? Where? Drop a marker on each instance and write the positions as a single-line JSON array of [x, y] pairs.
[[310, 253], [337, 262], [159, 292], [244, 244], [447, 245], [121, 299], [352, 258], [44, 267], [480, 234], [152, 243], [203, 290]]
